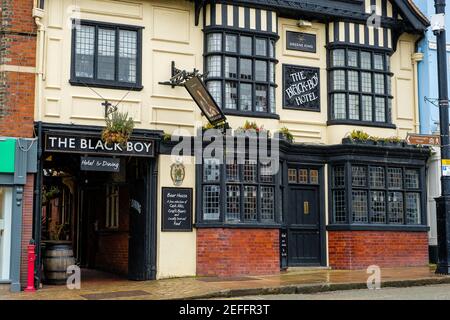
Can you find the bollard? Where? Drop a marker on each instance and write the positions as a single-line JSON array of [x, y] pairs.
[[31, 260]]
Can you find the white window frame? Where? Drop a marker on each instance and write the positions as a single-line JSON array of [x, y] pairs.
[[112, 206]]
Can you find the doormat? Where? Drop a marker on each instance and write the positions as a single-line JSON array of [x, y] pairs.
[[224, 279], [113, 295]]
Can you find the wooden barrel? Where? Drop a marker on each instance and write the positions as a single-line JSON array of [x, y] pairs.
[[58, 256]]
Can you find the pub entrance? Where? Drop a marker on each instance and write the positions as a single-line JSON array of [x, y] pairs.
[[98, 211]]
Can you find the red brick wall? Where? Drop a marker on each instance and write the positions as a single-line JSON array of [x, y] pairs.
[[27, 226], [232, 252], [360, 249]]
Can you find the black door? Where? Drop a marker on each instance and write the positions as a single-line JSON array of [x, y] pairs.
[[304, 247], [139, 263]]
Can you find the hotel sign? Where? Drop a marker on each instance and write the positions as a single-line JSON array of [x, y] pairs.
[[301, 88], [100, 164], [70, 143], [301, 41]]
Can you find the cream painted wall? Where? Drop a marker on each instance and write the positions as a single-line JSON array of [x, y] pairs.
[[176, 251]]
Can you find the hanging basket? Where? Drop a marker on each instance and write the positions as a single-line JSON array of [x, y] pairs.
[[119, 128]]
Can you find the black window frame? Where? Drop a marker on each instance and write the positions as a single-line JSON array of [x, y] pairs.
[[223, 79], [348, 189], [101, 83], [387, 95]]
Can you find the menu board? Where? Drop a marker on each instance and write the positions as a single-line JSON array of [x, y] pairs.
[[176, 209]]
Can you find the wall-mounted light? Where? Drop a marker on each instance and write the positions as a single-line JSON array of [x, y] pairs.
[[304, 23]]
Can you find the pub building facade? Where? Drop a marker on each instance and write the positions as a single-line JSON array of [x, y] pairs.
[[321, 70]]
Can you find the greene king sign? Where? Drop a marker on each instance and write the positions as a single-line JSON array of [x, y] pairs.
[[66, 142]]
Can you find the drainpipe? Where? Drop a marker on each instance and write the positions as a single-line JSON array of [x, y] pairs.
[[38, 14], [416, 58]]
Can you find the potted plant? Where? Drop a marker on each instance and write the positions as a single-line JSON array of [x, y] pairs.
[[49, 194], [286, 135], [119, 128], [360, 137], [260, 130]]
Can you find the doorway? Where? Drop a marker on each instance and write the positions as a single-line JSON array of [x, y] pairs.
[[304, 218]]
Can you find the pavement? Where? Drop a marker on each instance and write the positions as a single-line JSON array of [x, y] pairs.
[[96, 285]]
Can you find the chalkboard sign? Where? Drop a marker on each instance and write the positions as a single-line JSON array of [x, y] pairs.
[[301, 88], [301, 41], [283, 249], [176, 209]]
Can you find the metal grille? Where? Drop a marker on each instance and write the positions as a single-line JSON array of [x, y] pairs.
[[395, 207], [260, 71], [261, 98], [233, 207], [249, 172], [250, 202], [214, 66], [377, 179], [84, 50], [230, 43], [106, 53], [261, 47], [230, 68], [339, 206], [211, 170], [359, 176], [412, 208], [359, 206], [127, 55], [267, 203], [353, 106], [395, 178], [411, 179], [231, 95], [214, 41], [211, 201], [353, 81], [338, 177], [378, 207]]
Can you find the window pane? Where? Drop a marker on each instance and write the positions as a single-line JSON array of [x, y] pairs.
[[389, 85], [395, 178], [303, 176], [353, 81], [378, 207], [230, 43], [292, 175], [249, 173], [272, 99], [395, 207], [246, 46], [127, 55], [413, 208], [352, 57], [377, 179], [339, 80], [260, 71], [261, 98], [378, 62], [366, 62], [211, 170], [339, 206], [314, 176], [339, 106], [366, 82], [246, 69], [353, 106], [211, 202], [379, 83], [214, 67], [232, 171], [266, 174], [359, 206], [250, 202], [359, 176], [267, 203], [84, 52], [215, 88], [233, 207], [367, 108], [261, 47], [338, 177], [271, 49], [380, 110], [338, 58], [106, 54], [411, 179], [231, 67], [214, 42], [272, 72], [231, 96], [245, 97]]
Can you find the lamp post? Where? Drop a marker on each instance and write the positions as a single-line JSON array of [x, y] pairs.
[[443, 202]]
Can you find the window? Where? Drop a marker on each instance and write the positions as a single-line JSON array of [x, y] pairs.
[[241, 72], [379, 195], [106, 55], [360, 86], [112, 206], [249, 192]]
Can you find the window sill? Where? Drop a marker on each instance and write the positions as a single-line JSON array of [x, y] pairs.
[[377, 227], [106, 85], [238, 225], [251, 114], [361, 123]]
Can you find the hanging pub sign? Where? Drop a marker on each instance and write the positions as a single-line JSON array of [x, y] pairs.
[[100, 164], [301, 88], [70, 142], [176, 209], [301, 41], [204, 100]]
